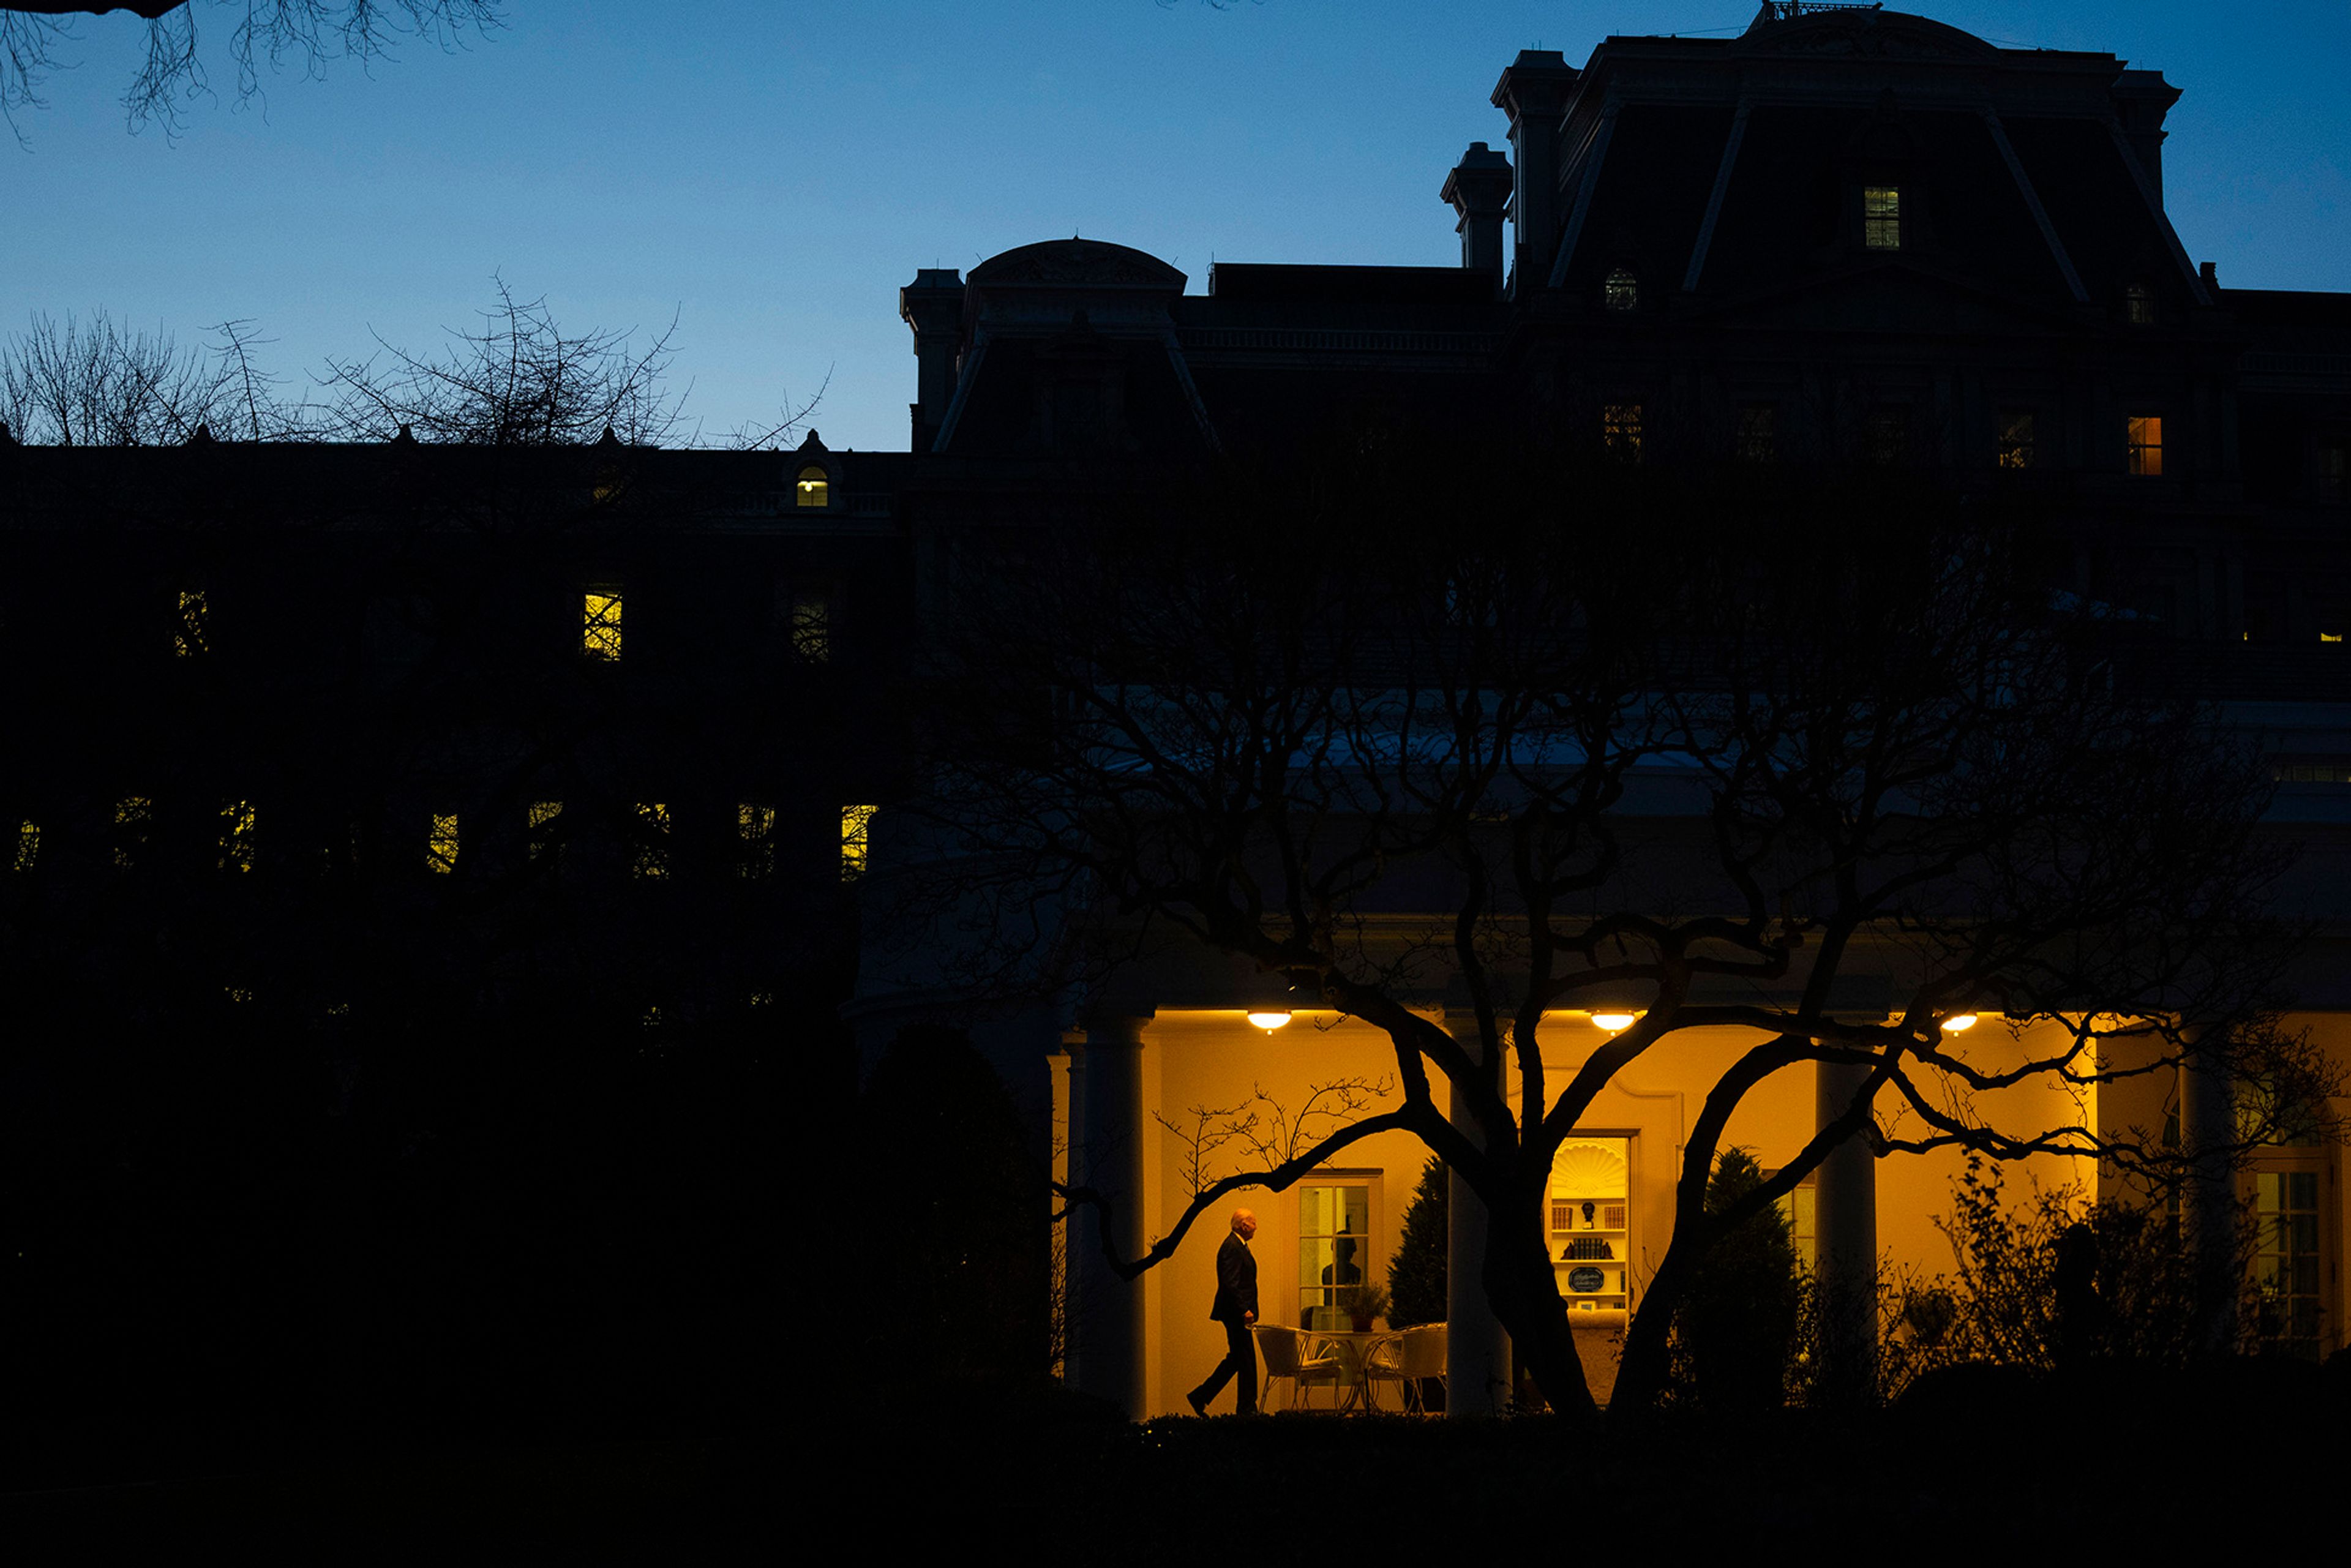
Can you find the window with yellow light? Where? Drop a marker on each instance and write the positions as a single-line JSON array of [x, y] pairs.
[[812, 488], [2144, 434], [237, 836], [134, 819], [546, 825], [1620, 430], [1881, 217], [755, 830], [441, 843], [650, 860], [2015, 438], [192, 633], [811, 623], [856, 840], [599, 624]]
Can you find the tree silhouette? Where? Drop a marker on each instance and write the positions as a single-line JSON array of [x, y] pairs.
[[1563, 737], [270, 31]]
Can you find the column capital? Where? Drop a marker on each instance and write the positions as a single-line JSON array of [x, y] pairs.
[[1113, 1023]]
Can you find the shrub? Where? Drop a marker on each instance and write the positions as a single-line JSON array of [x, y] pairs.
[[1738, 1317], [1416, 1272]]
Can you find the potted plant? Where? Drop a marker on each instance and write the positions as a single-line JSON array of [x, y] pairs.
[[1363, 1303]]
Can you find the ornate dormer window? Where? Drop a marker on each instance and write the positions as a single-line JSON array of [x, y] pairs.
[[1622, 291], [1881, 217], [813, 488]]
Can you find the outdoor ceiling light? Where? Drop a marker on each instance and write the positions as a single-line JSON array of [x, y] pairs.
[[1958, 1022], [1614, 1023], [1269, 1019]]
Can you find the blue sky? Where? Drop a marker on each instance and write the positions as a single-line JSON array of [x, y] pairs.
[[771, 173]]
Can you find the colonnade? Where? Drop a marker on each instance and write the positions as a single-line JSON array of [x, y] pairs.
[[1104, 1313]]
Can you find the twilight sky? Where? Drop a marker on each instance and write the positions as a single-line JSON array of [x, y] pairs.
[[772, 172]]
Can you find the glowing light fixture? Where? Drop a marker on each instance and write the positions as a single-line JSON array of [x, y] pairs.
[[1614, 1023], [1269, 1019], [1958, 1023]]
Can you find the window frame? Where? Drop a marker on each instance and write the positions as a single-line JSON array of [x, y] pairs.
[[1882, 230], [856, 841], [652, 830], [1623, 428], [1602, 1306], [603, 622], [1368, 1270], [2008, 451], [443, 843], [812, 495]]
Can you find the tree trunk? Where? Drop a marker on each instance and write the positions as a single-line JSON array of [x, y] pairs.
[[1525, 1294], [1649, 1344]]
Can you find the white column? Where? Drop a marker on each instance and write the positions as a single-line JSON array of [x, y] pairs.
[[1107, 1320], [1477, 1376], [2208, 1116], [1844, 1217]]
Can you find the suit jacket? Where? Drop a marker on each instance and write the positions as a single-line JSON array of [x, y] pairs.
[[1236, 1282]]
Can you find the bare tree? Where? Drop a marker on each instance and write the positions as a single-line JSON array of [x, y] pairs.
[[96, 384], [1703, 756], [271, 31], [520, 382]]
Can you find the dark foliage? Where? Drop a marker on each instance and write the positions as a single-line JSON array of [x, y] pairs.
[[1416, 1272], [235, 1241], [1738, 1317], [953, 1282]]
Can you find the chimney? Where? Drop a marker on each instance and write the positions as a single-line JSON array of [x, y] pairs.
[[2141, 99], [1479, 189], [933, 307], [1533, 92]]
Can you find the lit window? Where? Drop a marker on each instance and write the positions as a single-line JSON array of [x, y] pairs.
[[28, 845], [546, 829], [1590, 1230], [2016, 439], [1622, 291], [189, 639], [856, 828], [599, 624], [237, 836], [652, 860], [1881, 217], [441, 845], [134, 819], [2146, 438], [812, 624], [1759, 431], [813, 488], [1620, 430], [1335, 1253], [2139, 305], [2289, 1300], [755, 827]]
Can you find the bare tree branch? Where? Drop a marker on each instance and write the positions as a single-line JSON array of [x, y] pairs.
[[269, 31]]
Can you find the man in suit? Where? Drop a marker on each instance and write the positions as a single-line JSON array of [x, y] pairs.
[[1235, 1308]]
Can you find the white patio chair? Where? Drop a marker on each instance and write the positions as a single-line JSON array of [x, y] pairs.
[[1415, 1354], [1284, 1353]]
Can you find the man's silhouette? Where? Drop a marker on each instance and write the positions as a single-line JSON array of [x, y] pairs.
[[1235, 1308]]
